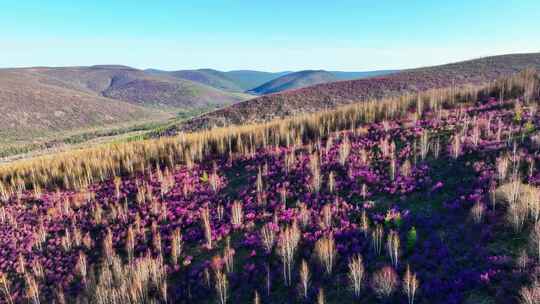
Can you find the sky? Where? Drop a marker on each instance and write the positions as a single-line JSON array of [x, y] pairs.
[[275, 35]]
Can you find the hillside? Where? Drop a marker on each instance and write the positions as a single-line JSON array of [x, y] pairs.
[[295, 80], [41, 102], [33, 105], [439, 207], [329, 95]]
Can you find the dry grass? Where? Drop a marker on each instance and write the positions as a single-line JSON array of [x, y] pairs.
[[32, 289], [321, 297], [325, 249], [364, 223], [222, 285], [287, 245], [82, 267], [176, 246], [256, 298], [304, 214], [523, 260], [385, 282], [535, 240], [207, 228], [344, 150], [531, 294], [331, 182], [268, 237], [228, 256], [521, 200], [221, 282], [356, 274], [456, 145], [326, 217], [314, 166], [477, 212], [5, 287], [305, 278], [142, 281], [393, 247], [237, 214], [377, 236], [410, 285]]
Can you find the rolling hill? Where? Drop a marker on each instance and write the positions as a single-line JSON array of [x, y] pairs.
[[308, 78], [43, 101], [234, 81], [210, 77], [139, 87], [248, 79], [260, 83], [295, 81], [34, 105], [329, 95]]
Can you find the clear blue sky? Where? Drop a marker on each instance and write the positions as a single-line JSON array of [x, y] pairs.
[[264, 35]]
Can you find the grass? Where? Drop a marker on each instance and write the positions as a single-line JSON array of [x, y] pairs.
[[66, 139], [11, 150]]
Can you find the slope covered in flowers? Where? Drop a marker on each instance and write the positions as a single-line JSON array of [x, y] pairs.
[[440, 206]]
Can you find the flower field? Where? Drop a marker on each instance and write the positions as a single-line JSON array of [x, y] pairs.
[[437, 205]]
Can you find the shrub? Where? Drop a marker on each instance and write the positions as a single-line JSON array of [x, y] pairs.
[[287, 245], [531, 294], [477, 212], [385, 282], [356, 274], [304, 280], [377, 236], [325, 248], [535, 240], [412, 237], [392, 246], [410, 285]]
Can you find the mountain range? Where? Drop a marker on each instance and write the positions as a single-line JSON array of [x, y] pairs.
[[43, 101], [236, 81], [40, 102], [260, 83], [308, 78]]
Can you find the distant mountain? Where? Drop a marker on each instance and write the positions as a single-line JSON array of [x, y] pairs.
[[209, 77], [359, 75], [308, 78], [234, 81], [138, 87], [295, 81], [329, 95], [38, 101], [248, 80], [257, 82]]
